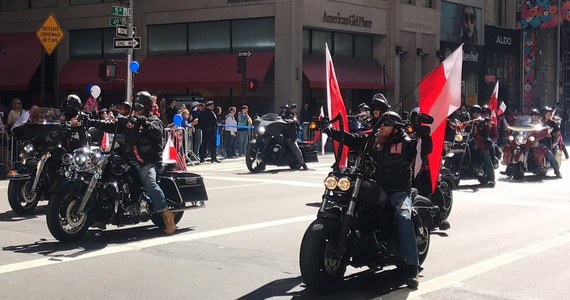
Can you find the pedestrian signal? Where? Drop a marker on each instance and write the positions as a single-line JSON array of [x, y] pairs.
[[252, 84]]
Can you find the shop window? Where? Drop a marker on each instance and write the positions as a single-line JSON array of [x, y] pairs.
[[167, 39], [209, 37], [343, 44], [86, 44], [306, 41], [363, 46], [44, 3], [408, 1], [318, 40], [427, 3], [81, 2], [15, 5], [253, 34]]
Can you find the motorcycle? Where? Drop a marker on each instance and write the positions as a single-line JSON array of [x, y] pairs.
[[103, 188], [355, 225], [524, 154], [269, 146], [42, 143], [462, 158]]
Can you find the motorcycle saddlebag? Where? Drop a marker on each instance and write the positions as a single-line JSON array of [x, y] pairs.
[[309, 152], [191, 186]]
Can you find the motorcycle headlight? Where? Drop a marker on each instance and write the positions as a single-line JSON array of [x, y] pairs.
[[520, 139], [81, 159], [67, 159], [531, 138], [96, 159], [331, 183], [459, 138], [511, 138], [344, 184], [28, 148], [261, 130]]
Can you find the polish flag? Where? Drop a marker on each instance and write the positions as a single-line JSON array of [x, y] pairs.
[[502, 108], [494, 103], [335, 105], [440, 96], [105, 142], [324, 136], [169, 152]]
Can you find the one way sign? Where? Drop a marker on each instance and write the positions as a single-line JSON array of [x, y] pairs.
[[127, 43]]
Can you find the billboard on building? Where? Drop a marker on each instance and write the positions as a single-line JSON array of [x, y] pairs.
[[461, 23]]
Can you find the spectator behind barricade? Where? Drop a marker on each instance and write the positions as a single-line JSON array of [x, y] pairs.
[[218, 112], [170, 111], [243, 119], [230, 132], [23, 117], [209, 125], [186, 119], [162, 110], [15, 113], [564, 121], [3, 112], [91, 106], [2, 127], [197, 137]]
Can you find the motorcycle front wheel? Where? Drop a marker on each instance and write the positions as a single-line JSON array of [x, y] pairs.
[[321, 268], [63, 220], [22, 199], [253, 160], [516, 170]]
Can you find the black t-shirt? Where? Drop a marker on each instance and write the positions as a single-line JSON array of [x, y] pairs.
[[207, 120]]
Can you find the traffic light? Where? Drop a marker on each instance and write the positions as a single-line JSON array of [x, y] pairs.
[[239, 62], [252, 84], [108, 70]]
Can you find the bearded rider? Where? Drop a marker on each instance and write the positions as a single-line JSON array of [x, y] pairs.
[[393, 154]]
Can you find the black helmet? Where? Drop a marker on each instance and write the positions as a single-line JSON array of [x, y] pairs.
[[73, 102], [379, 102], [363, 107], [144, 99], [476, 109], [285, 106], [391, 117], [547, 109], [534, 112]]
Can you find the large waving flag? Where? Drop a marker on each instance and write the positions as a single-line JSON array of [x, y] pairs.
[[440, 96], [494, 103], [335, 105]]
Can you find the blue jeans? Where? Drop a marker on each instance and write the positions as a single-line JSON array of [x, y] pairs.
[[147, 175], [402, 204], [243, 140], [552, 160], [487, 161]]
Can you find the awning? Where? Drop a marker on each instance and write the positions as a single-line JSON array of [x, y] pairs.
[[202, 71], [77, 74], [20, 56], [351, 73]]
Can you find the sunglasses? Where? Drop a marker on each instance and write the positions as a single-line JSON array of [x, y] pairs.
[[469, 18]]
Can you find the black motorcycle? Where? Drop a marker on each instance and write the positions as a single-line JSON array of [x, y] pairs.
[[355, 225], [103, 188], [269, 145], [462, 158], [42, 142]]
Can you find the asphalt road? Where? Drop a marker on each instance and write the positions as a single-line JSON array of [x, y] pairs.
[[510, 242]]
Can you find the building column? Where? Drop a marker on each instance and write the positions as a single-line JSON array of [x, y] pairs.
[[288, 52]]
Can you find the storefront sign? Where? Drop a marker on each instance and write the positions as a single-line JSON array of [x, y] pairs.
[[502, 40], [418, 26], [352, 20], [473, 56]]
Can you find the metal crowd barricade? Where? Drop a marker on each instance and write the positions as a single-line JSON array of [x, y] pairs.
[[220, 146], [179, 139], [6, 149]]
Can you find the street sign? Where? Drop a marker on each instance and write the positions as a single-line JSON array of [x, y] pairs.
[[117, 21], [246, 53], [122, 31], [120, 11], [127, 43], [50, 34]]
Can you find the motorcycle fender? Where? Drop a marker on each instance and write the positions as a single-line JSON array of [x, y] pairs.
[[331, 214], [69, 185], [518, 157]]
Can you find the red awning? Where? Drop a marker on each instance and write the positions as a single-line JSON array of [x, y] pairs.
[[20, 56], [77, 74], [202, 71], [351, 73]]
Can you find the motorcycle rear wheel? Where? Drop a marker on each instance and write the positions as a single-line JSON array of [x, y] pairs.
[[21, 200], [321, 270], [423, 242], [253, 161], [62, 219]]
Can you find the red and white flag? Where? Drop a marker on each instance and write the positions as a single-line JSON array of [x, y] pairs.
[[324, 136], [502, 108], [440, 96], [169, 151], [494, 103], [105, 142], [335, 105]]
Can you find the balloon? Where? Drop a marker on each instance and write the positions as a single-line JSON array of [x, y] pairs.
[[88, 88], [134, 66], [177, 120], [95, 91]]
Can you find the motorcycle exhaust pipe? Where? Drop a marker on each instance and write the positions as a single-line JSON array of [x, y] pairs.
[[200, 204], [39, 170]]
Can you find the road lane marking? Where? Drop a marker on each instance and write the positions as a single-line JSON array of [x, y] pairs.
[[270, 181], [237, 186], [481, 267], [56, 259]]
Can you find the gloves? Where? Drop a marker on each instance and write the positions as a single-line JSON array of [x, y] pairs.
[[141, 120]]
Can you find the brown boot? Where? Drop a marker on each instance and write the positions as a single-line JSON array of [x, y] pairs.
[[169, 226]]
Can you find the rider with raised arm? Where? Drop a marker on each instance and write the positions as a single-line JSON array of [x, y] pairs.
[[393, 154]]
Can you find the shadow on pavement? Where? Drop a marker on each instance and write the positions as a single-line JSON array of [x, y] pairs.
[[11, 216], [92, 241], [363, 285]]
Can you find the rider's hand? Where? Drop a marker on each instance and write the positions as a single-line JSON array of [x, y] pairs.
[[141, 120]]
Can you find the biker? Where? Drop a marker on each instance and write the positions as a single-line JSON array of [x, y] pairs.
[[143, 136], [482, 134], [77, 121], [494, 150], [378, 105], [363, 113], [552, 139], [291, 134], [394, 153]]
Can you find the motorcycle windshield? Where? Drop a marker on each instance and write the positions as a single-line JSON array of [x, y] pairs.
[[525, 124], [42, 122]]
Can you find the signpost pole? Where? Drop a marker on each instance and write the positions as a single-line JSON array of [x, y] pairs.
[[244, 81], [129, 91]]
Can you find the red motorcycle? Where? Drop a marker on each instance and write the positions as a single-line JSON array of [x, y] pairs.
[[524, 154]]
